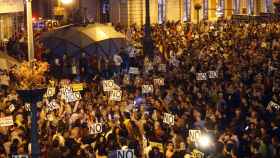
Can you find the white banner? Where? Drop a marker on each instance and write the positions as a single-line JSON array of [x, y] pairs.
[[169, 119], [116, 95], [147, 89], [194, 135], [6, 121], [108, 85], [11, 6]]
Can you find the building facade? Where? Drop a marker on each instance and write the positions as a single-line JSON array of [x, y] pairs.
[[129, 12]]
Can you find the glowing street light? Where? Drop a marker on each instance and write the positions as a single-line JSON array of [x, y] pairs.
[[204, 141], [66, 1]]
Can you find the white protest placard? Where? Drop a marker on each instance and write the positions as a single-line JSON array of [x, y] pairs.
[[116, 95], [50, 92], [201, 76], [12, 107], [159, 81], [213, 74], [27, 106], [126, 153], [64, 91], [19, 156], [197, 154], [169, 119], [134, 70], [147, 89], [77, 87], [274, 105], [95, 128], [52, 105], [194, 135], [73, 96], [6, 121], [156, 144], [162, 67], [108, 85]]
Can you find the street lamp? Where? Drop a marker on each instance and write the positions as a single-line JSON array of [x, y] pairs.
[[148, 41], [29, 25]]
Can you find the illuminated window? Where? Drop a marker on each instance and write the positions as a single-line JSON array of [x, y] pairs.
[[161, 11]]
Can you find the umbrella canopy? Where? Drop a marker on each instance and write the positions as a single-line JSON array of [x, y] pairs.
[[92, 39], [6, 62]]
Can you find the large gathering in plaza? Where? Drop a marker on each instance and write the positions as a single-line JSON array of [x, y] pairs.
[[171, 89]]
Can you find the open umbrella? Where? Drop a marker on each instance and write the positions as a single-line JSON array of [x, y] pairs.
[[92, 39]]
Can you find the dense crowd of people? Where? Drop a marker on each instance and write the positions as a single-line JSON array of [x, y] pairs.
[[219, 78]]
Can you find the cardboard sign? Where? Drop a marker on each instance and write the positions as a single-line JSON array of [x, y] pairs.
[[116, 95], [77, 87], [127, 153], [27, 106], [201, 76], [95, 128], [6, 121], [274, 105], [12, 107], [197, 154], [52, 105], [134, 70], [156, 144], [108, 85], [72, 97], [50, 92], [213, 74], [147, 89], [159, 81], [169, 119], [162, 67], [4, 80], [194, 135]]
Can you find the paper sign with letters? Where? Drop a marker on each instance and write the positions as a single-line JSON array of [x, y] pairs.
[[73, 96], [147, 89], [212, 74], [50, 92], [6, 121], [53, 105], [12, 107], [197, 154], [169, 119], [126, 153], [27, 106], [201, 76], [95, 128], [194, 135], [77, 87], [108, 85], [116, 95], [134, 70], [159, 81]]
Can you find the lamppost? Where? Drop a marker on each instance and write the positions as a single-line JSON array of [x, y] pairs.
[[148, 41], [29, 25]]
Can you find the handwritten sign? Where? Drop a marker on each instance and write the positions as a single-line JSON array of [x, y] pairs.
[[134, 70], [159, 81], [6, 121], [169, 119], [194, 135], [201, 76], [108, 85], [147, 89], [73, 96], [95, 128], [197, 154], [156, 144], [77, 87], [116, 95], [50, 92], [53, 105]]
